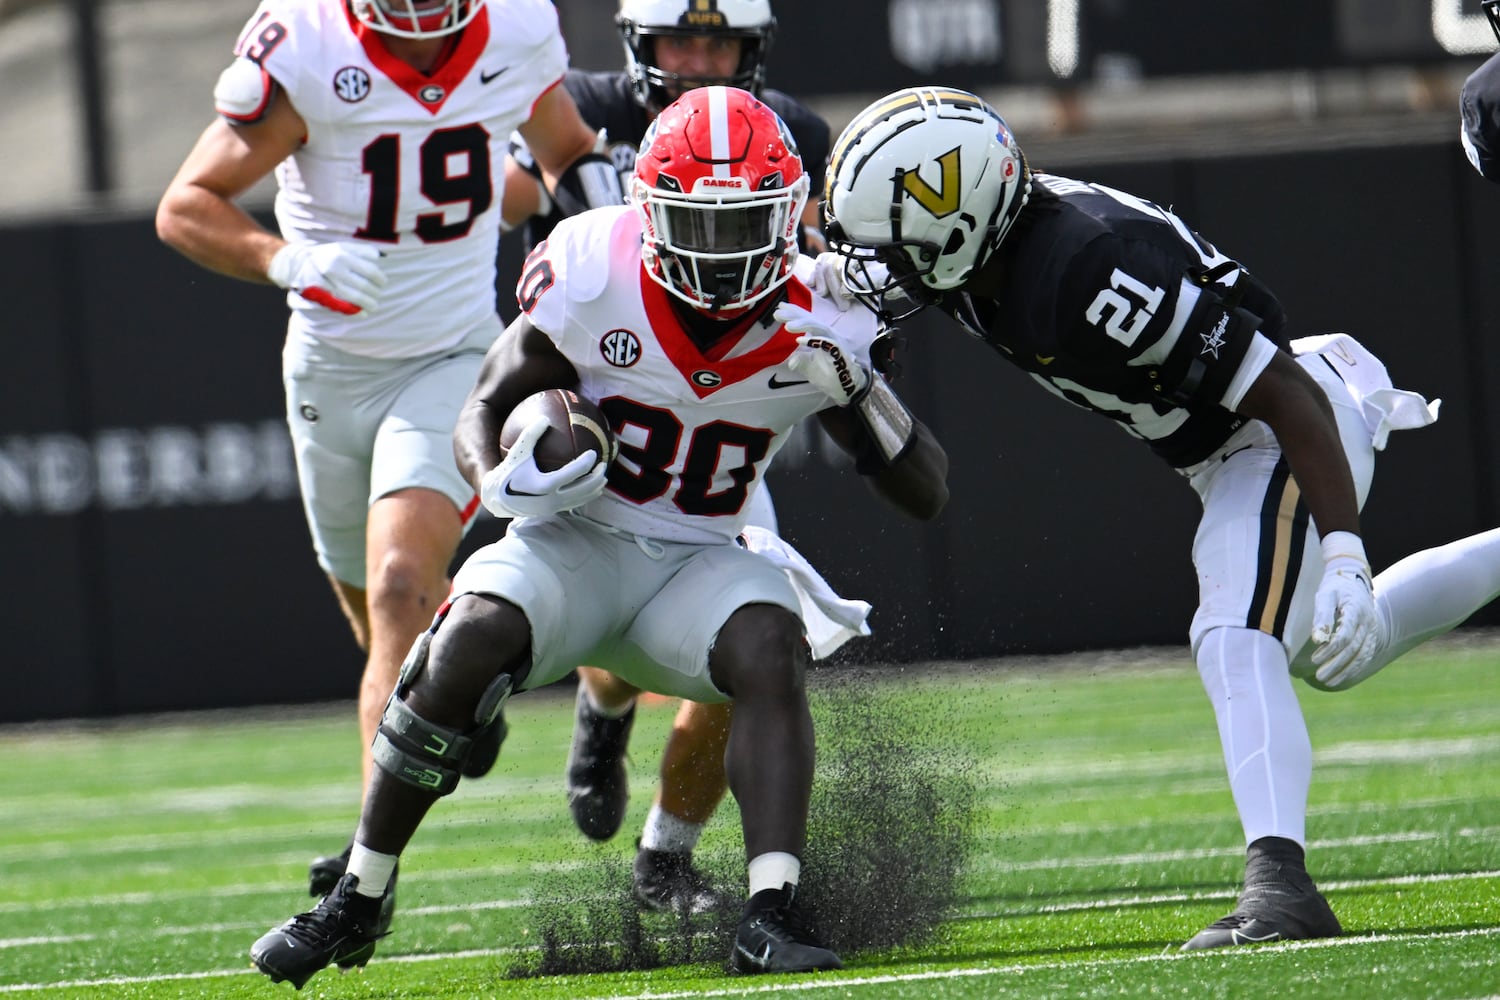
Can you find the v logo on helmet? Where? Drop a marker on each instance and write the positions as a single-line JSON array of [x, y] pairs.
[[939, 201]]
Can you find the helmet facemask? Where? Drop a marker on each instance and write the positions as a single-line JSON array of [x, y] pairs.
[[417, 18], [720, 249], [1492, 11], [887, 278]]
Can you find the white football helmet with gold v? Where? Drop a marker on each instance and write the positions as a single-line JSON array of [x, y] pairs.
[[926, 182]]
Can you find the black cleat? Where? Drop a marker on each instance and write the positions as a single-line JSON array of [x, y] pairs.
[[667, 882], [773, 936], [341, 930], [324, 873], [1278, 903], [598, 788], [485, 749]]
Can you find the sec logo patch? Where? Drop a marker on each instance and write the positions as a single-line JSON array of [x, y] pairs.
[[620, 348]]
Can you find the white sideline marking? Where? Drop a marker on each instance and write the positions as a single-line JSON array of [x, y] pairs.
[[823, 983]]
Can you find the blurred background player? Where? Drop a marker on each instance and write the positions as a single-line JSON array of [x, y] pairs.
[[649, 577], [1479, 104], [671, 46], [386, 124], [1117, 306]]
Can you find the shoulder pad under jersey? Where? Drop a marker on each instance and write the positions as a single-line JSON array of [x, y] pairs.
[[243, 92], [575, 263]]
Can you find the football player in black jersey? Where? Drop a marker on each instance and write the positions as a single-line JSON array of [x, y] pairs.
[[1116, 305], [1480, 106], [670, 46]]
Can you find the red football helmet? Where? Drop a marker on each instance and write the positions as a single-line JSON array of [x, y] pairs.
[[417, 18], [720, 189]]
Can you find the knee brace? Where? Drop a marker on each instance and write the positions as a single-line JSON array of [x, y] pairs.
[[421, 752], [417, 751]]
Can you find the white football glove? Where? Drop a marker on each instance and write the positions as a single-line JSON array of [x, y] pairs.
[[828, 278], [517, 488], [819, 359], [1346, 625], [344, 277]]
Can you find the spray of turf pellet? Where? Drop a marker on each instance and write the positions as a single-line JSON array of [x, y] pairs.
[[890, 833]]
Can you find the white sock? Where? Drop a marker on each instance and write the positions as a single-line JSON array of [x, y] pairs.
[[665, 832], [373, 870], [601, 710], [773, 870], [1432, 591], [1264, 737]]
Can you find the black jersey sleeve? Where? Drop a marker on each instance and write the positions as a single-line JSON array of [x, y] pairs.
[[1140, 303]]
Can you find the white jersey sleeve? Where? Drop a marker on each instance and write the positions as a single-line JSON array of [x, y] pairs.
[[408, 161]]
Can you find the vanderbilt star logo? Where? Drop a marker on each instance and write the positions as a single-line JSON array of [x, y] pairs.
[[487, 77], [1214, 339]]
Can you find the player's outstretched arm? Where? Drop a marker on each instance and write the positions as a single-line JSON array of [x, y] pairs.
[[902, 460], [916, 483], [522, 361]]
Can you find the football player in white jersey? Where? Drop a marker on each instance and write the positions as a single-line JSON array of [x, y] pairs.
[[670, 46], [686, 317], [1116, 305], [386, 124]]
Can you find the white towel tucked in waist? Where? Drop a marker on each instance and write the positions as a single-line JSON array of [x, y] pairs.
[[831, 620], [1385, 408]]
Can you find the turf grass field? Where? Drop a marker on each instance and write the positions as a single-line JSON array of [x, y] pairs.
[[140, 858]]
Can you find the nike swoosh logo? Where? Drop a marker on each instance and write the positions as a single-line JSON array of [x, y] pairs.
[[1229, 454], [487, 77], [779, 383], [1239, 938], [761, 958], [1046, 360]]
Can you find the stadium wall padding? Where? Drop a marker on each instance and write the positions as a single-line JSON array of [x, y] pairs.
[[154, 556]]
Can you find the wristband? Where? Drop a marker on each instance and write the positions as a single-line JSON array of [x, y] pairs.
[[1344, 545]]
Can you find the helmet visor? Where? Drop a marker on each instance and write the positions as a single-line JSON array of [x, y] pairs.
[[721, 229]]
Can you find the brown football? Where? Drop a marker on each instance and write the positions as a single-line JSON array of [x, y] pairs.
[[577, 426]]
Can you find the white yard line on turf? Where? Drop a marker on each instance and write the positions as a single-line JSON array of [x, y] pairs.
[[825, 981]]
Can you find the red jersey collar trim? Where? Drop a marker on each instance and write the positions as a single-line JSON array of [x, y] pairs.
[[454, 65], [689, 360]]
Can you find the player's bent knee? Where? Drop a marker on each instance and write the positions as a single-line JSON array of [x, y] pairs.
[[417, 749], [760, 651]]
